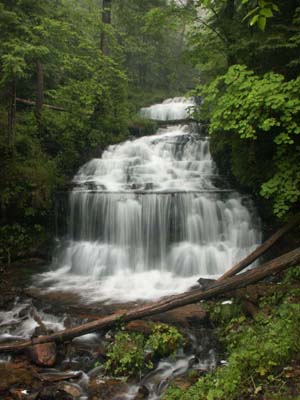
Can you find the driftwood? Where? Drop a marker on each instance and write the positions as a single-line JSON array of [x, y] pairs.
[[39, 321], [260, 250], [174, 121], [270, 268]]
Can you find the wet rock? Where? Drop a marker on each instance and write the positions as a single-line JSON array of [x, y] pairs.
[[17, 375], [142, 393], [107, 389], [23, 394], [59, 376], [43, 354], [182, 382], [205, 283], [72, 390], [250, 308], [140, 326], [184, 316], [52, 393]]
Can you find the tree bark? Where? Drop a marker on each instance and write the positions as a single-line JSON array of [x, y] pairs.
[[295, 221], [272, 267], [39, 93], [12, 112], [106, 19]]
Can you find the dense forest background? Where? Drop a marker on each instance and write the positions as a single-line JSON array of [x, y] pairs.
[[74, 73]]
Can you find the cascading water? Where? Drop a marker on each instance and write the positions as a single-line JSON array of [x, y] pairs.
[[151, 216]]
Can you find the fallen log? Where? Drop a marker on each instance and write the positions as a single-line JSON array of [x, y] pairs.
[[238, 281], [260, 250], [174, 121], [33, 103]]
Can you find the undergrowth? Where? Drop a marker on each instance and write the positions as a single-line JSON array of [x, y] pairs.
[[132, 353], [260, 351]]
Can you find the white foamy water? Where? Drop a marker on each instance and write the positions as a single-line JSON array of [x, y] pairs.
[[18, 322], [178, 108], [150, 217]]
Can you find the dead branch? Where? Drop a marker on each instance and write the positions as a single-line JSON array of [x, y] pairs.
[[29, 102]]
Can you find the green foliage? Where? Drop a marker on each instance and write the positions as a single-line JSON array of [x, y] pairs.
[[164, 340], [257, 352], [250, 107], [260, 14], [153, 36], [221, 314], [131, 353], [220, 38], [13, 238], [126, 355], [64, 36]]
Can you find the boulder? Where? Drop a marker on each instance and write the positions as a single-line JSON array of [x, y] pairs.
[[43, 354]]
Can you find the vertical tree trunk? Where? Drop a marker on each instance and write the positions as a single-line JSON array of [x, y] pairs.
[[39, 93], [12, 112], [228, 29], [106, 19]]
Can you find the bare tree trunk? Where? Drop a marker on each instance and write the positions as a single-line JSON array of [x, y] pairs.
[[12, 112], [106, 19], [272, 267], [39, 93]]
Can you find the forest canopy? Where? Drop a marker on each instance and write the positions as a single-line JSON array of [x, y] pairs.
[[75, 73]]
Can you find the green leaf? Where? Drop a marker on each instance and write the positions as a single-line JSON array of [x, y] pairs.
[[266, 12], [262, 22]]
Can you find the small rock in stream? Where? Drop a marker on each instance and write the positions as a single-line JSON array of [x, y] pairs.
[[107, 389], [205, 283], [23, 394], [71, 389]]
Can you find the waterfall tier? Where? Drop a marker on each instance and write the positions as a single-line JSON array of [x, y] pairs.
[[151, 216]]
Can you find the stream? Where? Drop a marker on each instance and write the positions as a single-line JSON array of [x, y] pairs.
[[146, 220]]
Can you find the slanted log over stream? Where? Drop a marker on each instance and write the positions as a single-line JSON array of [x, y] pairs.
[[271, 268], [263, 248]]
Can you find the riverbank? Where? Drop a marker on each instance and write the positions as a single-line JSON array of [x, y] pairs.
[[257, 358], [259, 329]]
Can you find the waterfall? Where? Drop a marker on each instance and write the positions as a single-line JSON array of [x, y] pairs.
[[151, 216]]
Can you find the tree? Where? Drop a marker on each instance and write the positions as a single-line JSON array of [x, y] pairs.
[[153, 36], [50, 54], [259, 109]]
